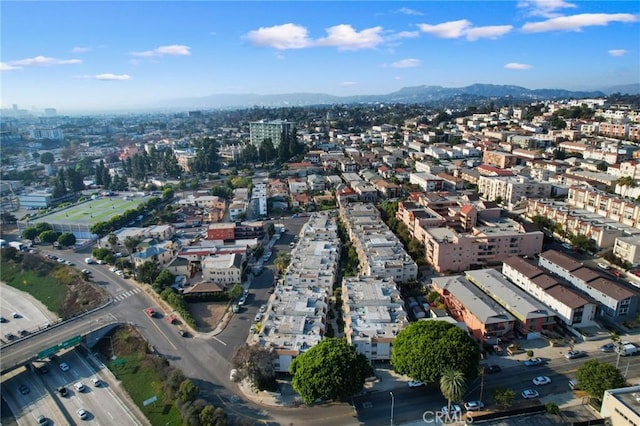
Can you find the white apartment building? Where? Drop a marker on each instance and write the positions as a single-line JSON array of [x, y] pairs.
[[374, 314], [259, 199], [224, 269], [573, 308], [264, 129], [295, 319], [380, 252], [512, 189], [628, 249]]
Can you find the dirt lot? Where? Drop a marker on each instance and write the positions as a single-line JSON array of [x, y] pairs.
[[208, 314]]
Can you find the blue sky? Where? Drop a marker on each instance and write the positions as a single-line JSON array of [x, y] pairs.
[[102, 55]]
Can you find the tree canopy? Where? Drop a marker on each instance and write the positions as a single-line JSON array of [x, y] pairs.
[[255, 364], [329, 370], [595, 377], [426, 349], [66, 239]]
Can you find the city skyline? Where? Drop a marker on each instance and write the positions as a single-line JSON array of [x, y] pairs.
[[106, 55]]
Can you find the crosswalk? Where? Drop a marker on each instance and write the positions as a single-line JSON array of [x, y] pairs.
[[126, 294]]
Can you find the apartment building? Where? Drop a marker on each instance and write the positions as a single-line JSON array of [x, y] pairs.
[[264, 129], [617, 302], [621, 406], [427, 181], [532, 315], [380, 252], [503, 160], [374, 314], [223, 269], [295, 319], [259, 199], [512, 190], [628, 249], [485, 245], [573, 308], [606, 205], [485, 319], [578, 221]]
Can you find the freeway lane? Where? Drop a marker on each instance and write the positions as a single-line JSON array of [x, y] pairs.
[[25, 348]]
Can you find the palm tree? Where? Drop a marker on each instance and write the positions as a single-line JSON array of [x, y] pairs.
[[453, 385], [112, 239]]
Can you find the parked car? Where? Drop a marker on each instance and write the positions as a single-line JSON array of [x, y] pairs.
[[236, 309], [258, 317], [473, 405], [263, 308], [3, 320], [183, 333], [24, 389], [575, 354], [62, 391], [16, 315], [96, 382], [530, 393], [79, 386], [42, 420], [541, 380], [414, 383], [455, 410], [532, 362], [604, 266], [233, 375], [64, 366]]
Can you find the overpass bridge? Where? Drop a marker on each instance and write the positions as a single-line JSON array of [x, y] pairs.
[[48, 341]]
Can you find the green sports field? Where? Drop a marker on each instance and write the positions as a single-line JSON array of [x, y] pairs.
[[93, 211]]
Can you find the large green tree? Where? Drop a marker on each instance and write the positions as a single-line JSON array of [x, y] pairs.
[[329, 370], [66, 239], [424, 350], [255, 364], [595, 377]]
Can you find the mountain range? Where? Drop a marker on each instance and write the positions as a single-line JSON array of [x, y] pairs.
[[432, 95]]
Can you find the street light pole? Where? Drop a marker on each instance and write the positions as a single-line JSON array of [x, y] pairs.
[[392, 403]]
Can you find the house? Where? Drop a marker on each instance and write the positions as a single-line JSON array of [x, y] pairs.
[[156, 254], [223, 269], [180, 266], [203, 289]]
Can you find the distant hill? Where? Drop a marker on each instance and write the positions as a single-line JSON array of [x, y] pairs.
[[435, 95]]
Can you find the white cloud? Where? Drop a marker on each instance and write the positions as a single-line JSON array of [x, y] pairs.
[[406, 63], [281, 37], [517, 66], [408, 11], [344, 37], [545, 8], [491, 32], [617, 52], [279, 55], [451, 29], [348, 83], [170, 50], [576, 22], [110, 77], [37, 61], [79, 49], [403, 34], [8, 67]]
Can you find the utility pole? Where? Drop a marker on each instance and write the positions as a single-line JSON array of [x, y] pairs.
[[482, 383], [392, 403]]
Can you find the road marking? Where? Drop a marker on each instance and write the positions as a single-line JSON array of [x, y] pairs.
[[214, 337], [161, 332], [109, 413]]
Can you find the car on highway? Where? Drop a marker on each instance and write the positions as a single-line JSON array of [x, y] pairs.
[[609, 347], [415, 383], [532, 362], [575, 354], [530, 393], [82, 413], [492, 369], [62, 391], [64, 366], [455, 410], [473, 405], [79, 386], [24, 389], [541, 380]]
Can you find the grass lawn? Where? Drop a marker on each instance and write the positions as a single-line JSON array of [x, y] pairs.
[[93, 211], [40, 285], [142, 381]]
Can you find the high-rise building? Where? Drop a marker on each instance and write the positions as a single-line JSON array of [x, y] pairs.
[[274, 130]]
